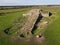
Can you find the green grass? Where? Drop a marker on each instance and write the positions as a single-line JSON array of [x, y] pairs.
[[12, 10], [52, 33], [17, 25], [37, 31], [6, 21]]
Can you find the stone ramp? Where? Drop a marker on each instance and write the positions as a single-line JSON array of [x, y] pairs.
[[34, 14]]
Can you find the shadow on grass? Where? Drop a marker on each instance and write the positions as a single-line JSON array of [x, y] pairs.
[[37, 21]]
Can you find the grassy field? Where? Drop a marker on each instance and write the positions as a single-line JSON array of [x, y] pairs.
[[10, 19], [7, 19], [52, 33]]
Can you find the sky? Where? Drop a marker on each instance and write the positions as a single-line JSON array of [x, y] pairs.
[[29, 2]]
